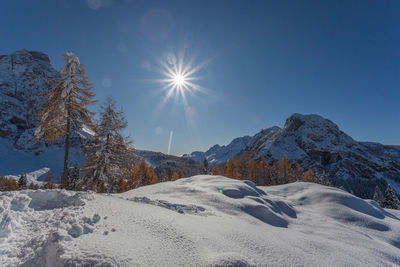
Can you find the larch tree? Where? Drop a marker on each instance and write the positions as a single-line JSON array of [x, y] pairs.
[[309, 176], [146, 174], [264, 171], [216, 170], [64, 106], [231, 169], [8, 184], [109, 153], [284, 170], [297, 171], [133, 179], [177, 175], [253, 171]]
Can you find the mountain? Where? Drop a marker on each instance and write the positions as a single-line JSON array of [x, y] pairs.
[[198, 221], [318, 144], [218, 154], [168, 164], [23, 77]]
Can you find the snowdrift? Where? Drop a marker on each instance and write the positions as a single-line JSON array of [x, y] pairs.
[[198, 221]]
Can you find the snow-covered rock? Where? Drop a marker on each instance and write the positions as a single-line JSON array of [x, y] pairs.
[[23, 77], [191, 223]]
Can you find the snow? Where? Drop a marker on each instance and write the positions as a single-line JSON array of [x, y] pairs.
[[190, 223], [32, 177]]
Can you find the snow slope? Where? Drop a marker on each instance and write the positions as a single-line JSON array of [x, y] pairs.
[[15, 161], [190, 223]]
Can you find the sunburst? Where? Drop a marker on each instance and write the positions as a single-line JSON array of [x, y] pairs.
[[179, 78]]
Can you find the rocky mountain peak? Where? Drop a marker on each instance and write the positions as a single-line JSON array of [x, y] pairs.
[[23, 76]]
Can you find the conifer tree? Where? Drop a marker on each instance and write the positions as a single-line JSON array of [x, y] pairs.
[[264, 171], [22, 182], [122, 185], [145, 174], [253, 171], [154, 177], [205, 166], [391, 201], [378, 196], [231, 169], [151, 176], [274, 173], [309, 176], [175, 177], [284, 170], [324, 179], [297, 172], [33, 186], [216, 170], [64, 107], [48, 179], [109, 154], [131, 174], [8, 184], [74, 177]]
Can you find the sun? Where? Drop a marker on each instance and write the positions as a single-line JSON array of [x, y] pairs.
[[179, 77], [179, 80]]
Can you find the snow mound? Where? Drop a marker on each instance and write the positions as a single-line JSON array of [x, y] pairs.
[[33, 224], [198, 221]]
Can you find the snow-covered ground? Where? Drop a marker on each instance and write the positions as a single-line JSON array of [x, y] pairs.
[[191, 223], [32, 177]]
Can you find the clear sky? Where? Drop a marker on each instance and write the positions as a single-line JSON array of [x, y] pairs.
[[261, 61]]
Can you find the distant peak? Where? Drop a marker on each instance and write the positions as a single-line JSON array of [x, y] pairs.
[[296, 120]]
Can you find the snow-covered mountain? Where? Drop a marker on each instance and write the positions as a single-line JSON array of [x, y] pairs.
[[318, 144], [218, 154], [168, 164], [23, 76], [191, 223]]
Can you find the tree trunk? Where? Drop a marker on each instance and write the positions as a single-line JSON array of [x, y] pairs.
[[65, 173]]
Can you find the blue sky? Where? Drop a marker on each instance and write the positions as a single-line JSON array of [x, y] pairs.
[[264, 60]]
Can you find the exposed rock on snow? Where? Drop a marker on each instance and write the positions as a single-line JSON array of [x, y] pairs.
[[298, 224]]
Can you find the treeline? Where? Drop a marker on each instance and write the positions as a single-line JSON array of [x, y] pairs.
[[264, 173]]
